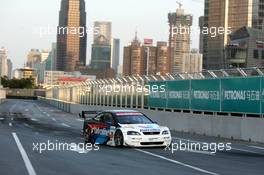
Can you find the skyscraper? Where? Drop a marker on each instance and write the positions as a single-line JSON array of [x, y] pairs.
[[133, 63], [3, 62], [179, 38], [115, 55], [230, 15], [145, 59], [9, 68], [101, 54], [33, 57], [103, 28], [101, 47], [72, 36]]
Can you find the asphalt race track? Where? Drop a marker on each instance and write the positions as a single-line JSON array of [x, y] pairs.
[[25, 124]]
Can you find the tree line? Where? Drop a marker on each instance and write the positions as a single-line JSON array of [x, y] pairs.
[[24, 83]]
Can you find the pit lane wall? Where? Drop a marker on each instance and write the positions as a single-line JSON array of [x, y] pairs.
[[239, 128]]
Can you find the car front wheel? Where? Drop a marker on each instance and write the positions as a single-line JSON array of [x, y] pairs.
[[88, 136], [119, 139]]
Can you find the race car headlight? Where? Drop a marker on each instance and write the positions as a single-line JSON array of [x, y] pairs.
[[165, 132], [132, 133]]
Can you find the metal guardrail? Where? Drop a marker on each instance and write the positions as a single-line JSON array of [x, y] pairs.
[[97, 92]]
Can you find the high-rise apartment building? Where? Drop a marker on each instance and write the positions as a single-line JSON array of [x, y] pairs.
[[163, 63], [179, 38], [71, 36], [145, 59], [230, 15], [3, 62], [133, 63]]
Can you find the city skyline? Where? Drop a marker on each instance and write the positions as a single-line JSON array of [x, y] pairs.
[[124, 19]]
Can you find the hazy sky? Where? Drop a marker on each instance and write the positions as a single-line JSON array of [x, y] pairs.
[[21, 18]]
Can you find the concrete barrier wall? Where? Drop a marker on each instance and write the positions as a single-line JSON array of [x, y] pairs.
[[240, 128]]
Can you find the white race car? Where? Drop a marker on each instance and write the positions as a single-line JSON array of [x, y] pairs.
[[123, 128]]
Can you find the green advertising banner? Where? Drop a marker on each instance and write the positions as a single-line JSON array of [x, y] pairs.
[[157, 94], [205, 95], [178, 93], [262, 95], [234, 95], [241, 95]]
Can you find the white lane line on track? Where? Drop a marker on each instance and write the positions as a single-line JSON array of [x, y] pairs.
[[79, 120], [64, 124], [1, 118], [256, 147], [24, 155], [53, 119], [33, 119], [10, 124], [247, 151], [177, 162]]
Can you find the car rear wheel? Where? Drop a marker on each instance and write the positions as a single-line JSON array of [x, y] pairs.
[[119, 139]]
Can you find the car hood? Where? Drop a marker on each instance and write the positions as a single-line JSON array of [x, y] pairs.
[[142, 127]]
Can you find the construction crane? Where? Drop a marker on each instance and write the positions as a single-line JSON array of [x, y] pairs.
[[179, 3]]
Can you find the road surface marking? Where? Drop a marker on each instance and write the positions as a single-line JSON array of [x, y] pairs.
[[256, 147], [247, 151], [28, 126], [54, 119], [64, 124], [1, 118], [24, 155], [10, 124], [201, 152], [33, 119], [177, 162]]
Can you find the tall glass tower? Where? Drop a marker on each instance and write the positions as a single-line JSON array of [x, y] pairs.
[[71, 35]]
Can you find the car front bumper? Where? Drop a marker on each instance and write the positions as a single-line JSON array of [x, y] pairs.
[[147, 141]]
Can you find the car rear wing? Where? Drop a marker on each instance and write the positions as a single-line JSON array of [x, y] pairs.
[[88, 114]]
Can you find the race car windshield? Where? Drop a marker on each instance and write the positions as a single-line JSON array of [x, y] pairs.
[[133, 119]]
